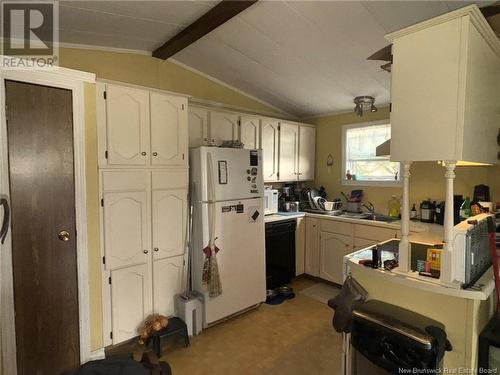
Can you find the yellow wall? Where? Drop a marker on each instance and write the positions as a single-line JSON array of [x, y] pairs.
[[427, 180], [144, 71]]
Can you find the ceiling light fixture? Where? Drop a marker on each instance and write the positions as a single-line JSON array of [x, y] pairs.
[[364, 103]]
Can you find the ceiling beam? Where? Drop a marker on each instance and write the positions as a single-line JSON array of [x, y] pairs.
[[215, 17]]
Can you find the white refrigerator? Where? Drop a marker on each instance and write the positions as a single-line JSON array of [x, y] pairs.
[[229, 181]]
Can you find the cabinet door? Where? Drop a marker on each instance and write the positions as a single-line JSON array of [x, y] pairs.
[[169, 222], [250, 132], [300, 246], [312, 247], [307, 149], [223, 127], [131, 300], [127, 125], [361, 243], [333, 247], [270, 147], [198, 127], [167, 282], [288, 159], [126, 228], [168, 129]]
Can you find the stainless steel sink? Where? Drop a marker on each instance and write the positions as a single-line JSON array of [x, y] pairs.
[[383, 218], [368, 216]]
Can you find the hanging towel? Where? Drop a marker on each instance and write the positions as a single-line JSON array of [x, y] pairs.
[[351, 294], [211, 276]]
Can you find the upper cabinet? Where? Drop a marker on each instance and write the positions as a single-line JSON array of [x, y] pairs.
[[270, 148], [289, 152], [250, 132], [223, 127], [138, 127], [445, 76], [198, 127], [307, 152]]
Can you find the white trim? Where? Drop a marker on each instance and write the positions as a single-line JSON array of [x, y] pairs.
[[97, 354], [72, 80], [343, 171], [105, 49]]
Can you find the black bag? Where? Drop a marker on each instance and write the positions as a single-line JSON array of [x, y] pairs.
[[153, 365], [111, 366]]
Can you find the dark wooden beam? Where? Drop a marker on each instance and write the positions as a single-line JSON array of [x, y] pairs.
[[215, 17]]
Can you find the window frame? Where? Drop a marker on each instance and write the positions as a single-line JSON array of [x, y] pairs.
[[343, 171]]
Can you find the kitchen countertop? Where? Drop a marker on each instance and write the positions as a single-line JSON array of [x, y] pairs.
[[420, 232]]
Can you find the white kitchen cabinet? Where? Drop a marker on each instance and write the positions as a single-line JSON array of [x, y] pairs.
[[126, 228], [300, 246], [169, 219], [270, 149], [307, 153], [250, 132], [333, 247], [169, 128], [139, 127], [168, 281], [131, 300], [312, 247], [198, 127], [446, 71], [223, 127], [126, 126], [361, 243], [288, 152]]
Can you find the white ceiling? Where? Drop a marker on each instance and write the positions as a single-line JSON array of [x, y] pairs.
[[304, 57]]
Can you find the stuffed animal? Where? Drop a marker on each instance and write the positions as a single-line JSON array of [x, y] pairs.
[[153, 323]]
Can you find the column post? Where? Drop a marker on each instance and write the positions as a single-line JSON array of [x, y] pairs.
[[404, 243]]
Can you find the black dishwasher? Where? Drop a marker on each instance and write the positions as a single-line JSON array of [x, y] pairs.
[[280, 253]]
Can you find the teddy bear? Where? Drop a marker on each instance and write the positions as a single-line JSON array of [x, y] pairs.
[[153, 323]]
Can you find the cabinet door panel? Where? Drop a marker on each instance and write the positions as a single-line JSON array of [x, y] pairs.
[[130, 300], [249, 132], [288, 159], [169, 221], [307, 149], [333, 247], [167, 281], [270, 147], [126, 228], [198, 127], [312, 247], [361, 243], [168, 129], [127, 125], [223, 127]]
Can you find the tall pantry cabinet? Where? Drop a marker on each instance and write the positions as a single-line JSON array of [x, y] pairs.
[[143, 141]]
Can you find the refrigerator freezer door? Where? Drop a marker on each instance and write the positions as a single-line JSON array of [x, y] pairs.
[[237, 173], [241, 259]]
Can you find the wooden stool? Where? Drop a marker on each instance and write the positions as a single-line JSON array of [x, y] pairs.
[[175, 327]]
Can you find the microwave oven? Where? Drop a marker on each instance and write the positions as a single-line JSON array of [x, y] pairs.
[[270, 202]]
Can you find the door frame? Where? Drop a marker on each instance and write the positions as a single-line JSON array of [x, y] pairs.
[[71, 80]]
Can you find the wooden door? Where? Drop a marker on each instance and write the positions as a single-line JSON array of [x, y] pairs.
[[312, 247], [223, 127], [198, 127], [270, 147], [169, 222], [307, 152], [249, 132], [168, 129], [167, 282], [127, 126], [131, 300], [40, 139], [333, 247], [126, 228], [289, 146]]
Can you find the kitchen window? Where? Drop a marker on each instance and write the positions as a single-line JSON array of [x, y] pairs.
[[360, 165]]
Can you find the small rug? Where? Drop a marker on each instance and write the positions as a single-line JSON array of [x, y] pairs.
[[321, 292]]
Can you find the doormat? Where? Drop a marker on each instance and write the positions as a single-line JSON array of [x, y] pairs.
[[321, 292]]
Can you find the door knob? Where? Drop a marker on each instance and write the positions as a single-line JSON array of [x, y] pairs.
[[155, 154], [63, 235], [156, 249], [145, 251], [143, 153]]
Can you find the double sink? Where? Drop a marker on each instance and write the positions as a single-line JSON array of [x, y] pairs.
[[367, 216]]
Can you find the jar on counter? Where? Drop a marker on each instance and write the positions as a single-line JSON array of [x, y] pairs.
[[427, 211]]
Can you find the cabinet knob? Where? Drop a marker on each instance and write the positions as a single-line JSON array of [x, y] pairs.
[[156, 249], [155, 154], [143, 153], [145, 251]]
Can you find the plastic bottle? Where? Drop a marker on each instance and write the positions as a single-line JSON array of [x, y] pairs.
[[394, 207], [465, 209]]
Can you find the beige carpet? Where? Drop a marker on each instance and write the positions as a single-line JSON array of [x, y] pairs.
[[321, 292], [295, 337]]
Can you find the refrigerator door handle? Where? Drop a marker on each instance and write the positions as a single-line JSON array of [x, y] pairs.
[[5, 222]]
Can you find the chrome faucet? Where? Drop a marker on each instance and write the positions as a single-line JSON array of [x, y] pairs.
[[370, 207]]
